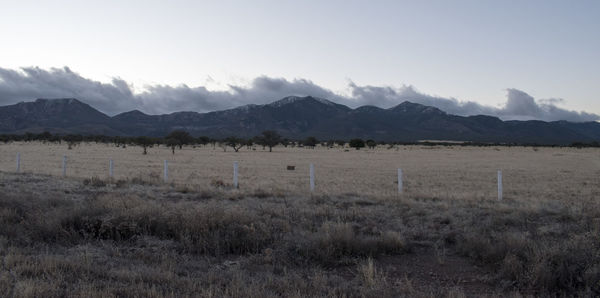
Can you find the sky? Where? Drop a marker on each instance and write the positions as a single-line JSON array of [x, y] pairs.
[[512, 59]]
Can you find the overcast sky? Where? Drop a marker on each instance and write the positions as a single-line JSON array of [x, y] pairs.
[[513, 59]]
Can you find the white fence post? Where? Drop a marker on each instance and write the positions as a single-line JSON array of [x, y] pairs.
[[166, 171], [499, 185], [18, 162], [235, 174], [64, 166], [110, 168], [312, 177], [400, 184]]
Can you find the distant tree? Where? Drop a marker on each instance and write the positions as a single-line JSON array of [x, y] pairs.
[[223, 145], [182, 136], [28, 137], [73, 140], [357, 143], [372, 144], [45, 136], [285, 142], [310, 142], [117, 141], [249, 143], [235, 143], [258, 141], [202, 140], [144, 142], [171, 142], [269, 138], [340, 143]]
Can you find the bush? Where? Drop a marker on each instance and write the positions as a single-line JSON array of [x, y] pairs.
[[94, 181], [357, 143], [333, 242]]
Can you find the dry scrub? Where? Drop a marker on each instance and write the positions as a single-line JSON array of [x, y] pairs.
[[132, 237]]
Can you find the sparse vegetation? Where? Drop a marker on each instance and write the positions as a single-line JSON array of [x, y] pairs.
[[172, 143], [144, 142], [235, 143], [129, 242], [357, 143], [310, 142], [179, 138], [371, 144], [269, 138], [446, 236]]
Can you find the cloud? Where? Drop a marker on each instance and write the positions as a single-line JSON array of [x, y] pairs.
[[118, 96], [389, 96], [32, 82], [522, 106]]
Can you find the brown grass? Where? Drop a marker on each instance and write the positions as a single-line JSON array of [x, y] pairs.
[[133, 236], [442, 172]]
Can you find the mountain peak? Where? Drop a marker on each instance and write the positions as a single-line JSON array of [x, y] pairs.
[[132, 113], [411, 107], [54, 115], [293, 99], [137, 112], [368, 108]]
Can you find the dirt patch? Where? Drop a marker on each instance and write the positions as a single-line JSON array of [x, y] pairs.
[[428, 270]]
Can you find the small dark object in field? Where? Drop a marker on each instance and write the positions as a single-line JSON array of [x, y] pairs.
[[218, 183], [291, 168], [94, 181], [121, 183]]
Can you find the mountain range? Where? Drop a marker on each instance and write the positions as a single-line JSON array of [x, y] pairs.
[[295, 118]]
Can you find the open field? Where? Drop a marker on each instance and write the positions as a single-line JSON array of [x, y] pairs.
[[447, 235], [444, 172]]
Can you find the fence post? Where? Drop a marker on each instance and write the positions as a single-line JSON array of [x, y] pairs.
[[18, 162], [110, 168], [166, 171], [400, 184], [235, 174], [312, 177], [499, 185], [64, 166]]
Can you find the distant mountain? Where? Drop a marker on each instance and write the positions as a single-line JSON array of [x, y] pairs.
[[294, 117], [66, 115]]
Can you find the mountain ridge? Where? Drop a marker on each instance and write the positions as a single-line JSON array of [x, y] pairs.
[[294, 117]]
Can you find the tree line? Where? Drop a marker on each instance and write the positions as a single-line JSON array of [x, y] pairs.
[[175, 139], [267, 139]]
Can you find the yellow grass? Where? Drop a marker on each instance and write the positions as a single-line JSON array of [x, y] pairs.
[[443, 172]]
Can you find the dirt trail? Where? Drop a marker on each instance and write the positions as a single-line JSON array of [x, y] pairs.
[[426, 270]]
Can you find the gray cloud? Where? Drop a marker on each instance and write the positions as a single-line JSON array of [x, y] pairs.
[[118, 96], [390, 96], [520, 105], [32, 82]]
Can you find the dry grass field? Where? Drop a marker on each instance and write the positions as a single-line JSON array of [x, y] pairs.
[[446, 236], [446, 172]]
